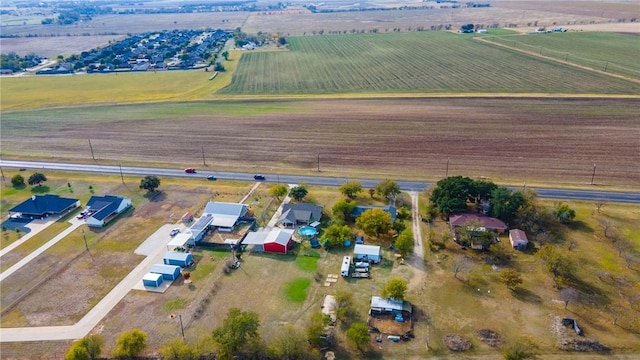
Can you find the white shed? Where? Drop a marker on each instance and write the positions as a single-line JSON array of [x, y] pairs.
[[367, 253]]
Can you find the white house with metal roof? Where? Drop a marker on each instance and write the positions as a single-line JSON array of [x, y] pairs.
[[367, 253], [105, 208], [225, 215]]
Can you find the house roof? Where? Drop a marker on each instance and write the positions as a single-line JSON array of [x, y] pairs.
[[300, 212], [389, 304], [180, 240], [152, 277], [43, 204], [202, 223], [517, 235], [372, 250], [358, 210], [254, 238], [104, 205], [225, 214], [164, 269], [175, 255], [279, 236], [490, 223]]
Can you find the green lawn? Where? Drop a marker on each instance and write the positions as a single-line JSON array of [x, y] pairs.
[[296, 289], [307, 263]]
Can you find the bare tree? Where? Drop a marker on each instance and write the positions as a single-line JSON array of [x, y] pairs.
[[623, 246], [599, 204], [461, 263], [568, 295], [631, 258]]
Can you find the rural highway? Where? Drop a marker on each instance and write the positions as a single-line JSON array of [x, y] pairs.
[[551, 193]]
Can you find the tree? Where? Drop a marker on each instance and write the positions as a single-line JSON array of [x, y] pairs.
[[177, 349], [150, 183], [511, 278], [342, 209], [299, 192], [568, 295], [17, 180], [520, 350], [278, 191], [87, 348], [559, 265], [564, 213], [351, 188], [238, 328], [344, 308], [450, 194], [387, 188], [395, 289], [37, 178], [315, 328], [404, 243], [336, 234], [374, 222], [130, 344], [358, 336], [460, 264], [505, 203], [290, 343]]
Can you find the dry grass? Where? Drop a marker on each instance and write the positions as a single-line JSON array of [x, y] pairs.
[[51, 47]]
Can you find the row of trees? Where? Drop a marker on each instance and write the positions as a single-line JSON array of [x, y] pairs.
[[35, 179]]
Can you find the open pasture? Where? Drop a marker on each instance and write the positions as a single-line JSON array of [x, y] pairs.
[[410, 62], [53, 46], [555, 141], [610, 52]]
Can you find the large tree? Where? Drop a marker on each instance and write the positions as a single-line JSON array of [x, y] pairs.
[[299, 192], [290, 343], [87, 348], [336, 234], [342, 209], [315, 328], [177, 349], [351, 188], [374, 222], [387, 188], [17, 180], [511, 278], [278, 191], [395, 289], [358, 336], [404, 243], [345, 308], [130, 344], [505, 203], [564, 213], [37, 178], [238, 328], [150, 183], [451, 194]]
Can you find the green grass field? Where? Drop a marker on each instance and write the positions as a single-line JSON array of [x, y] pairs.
[[611, 52], [430, 62]]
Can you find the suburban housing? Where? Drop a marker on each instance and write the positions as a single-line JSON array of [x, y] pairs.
[[41, 206], [299, 214]]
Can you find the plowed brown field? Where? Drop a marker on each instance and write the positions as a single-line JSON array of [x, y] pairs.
[[518, 139]]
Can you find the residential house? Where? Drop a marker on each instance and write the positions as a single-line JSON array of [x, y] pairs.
[[299, 214], [41, 206], [105, 208]]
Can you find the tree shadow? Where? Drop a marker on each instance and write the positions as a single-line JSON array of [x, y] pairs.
[[155, 196], [579, 225], [41, 189], [20, 187], [526, 295]]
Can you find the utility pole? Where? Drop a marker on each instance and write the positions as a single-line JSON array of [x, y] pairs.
[[91, 147], [85, 240], [181, 326], [203, 160], [318, 162], [446, 175], [121, 176], [594, 173], [2, 172]]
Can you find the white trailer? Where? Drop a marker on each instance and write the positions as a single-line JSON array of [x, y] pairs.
[[346, 266]]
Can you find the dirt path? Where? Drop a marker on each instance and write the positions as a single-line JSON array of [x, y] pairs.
[[417, 258], [531, 53]]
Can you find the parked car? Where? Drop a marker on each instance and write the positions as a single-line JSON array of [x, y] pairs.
[[174, 232], [259, 177], [23, 169], [211, 177], [190, 170]]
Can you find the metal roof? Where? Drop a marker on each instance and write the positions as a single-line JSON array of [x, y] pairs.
[[44, 204], [371, 250], [104, 205], [388, 304]]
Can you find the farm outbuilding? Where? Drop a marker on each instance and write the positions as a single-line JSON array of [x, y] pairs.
[[518, 239], [152, 280], [181, 240], [182, 259], [168, 272], [275, 241], [367, 253]]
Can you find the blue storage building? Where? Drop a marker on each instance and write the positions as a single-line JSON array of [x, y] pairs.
[[182, 259], [168, 272], [151, 279]]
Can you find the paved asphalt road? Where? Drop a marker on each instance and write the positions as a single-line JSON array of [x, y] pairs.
[[588, 195]]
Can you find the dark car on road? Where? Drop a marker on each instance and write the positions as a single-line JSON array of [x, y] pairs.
[[211, 177], [259, 177]]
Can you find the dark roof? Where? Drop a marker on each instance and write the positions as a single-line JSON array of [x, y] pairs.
[[358, 210], [490, 223], [40, 205], [104, 205], [301, 212]]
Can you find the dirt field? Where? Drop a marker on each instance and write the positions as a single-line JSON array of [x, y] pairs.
[[55, 45], [555, 141]]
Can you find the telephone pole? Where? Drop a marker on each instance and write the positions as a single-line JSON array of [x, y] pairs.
[[91, 147], [594, 173], [121, 176], [203, 160]]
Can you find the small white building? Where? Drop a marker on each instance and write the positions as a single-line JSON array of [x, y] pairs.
[[367, 253], [518, 239]]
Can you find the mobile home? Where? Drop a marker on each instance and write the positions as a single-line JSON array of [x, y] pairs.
[[346, 266]]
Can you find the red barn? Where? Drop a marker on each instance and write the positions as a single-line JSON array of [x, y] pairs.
[[278, 241]]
